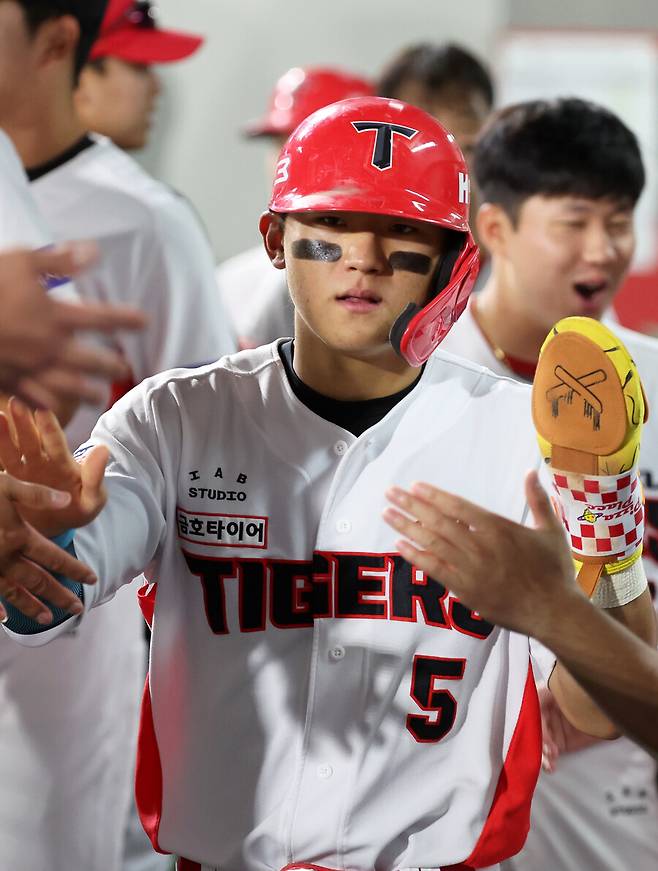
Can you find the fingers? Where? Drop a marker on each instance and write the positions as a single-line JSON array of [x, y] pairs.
[[540, 503], [424, 522], [65, 384], [27, 434], [428, 561], [93, 473], [34, 394], [25, 583], [10, 456], [16, 594], [56, 559], [99, 318], [53, 441], [85, 359], [33, 496], [66, 259]]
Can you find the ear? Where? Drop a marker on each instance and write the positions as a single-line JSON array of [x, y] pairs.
[[59, 39], [494, 228], [271, 228]]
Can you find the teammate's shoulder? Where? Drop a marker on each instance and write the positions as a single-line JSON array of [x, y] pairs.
[[475, 377], [247, 264], [635, 341]]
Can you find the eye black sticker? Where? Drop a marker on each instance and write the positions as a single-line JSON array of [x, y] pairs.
[[410, 261], [316, 249]]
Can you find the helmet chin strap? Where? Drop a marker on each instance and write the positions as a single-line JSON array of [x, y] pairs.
[[442, 275]]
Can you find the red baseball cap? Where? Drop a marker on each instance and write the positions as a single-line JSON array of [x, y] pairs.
[[302, 91], [130, 32]]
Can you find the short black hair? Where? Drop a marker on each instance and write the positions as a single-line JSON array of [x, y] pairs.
[[558, 147], [89, 14], [436, 67]]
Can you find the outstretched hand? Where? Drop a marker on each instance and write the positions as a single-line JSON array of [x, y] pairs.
[[25, 555], [33, 448], [512, 575]]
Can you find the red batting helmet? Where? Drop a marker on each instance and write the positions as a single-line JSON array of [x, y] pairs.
[[384, 157], [302, 91]]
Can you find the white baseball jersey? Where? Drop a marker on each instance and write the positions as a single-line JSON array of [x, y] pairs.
[[154, 255], [599, 809], [312, 696], [256, 297], [21, 225], [68, 713]]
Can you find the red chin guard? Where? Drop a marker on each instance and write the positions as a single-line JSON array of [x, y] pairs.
[[418, 332]]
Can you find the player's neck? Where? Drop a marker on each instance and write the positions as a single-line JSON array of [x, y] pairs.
[[51, 128], [505, 326], [341, 376]]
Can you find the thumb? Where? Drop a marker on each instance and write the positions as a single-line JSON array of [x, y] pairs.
[[92, 470], [34, 496], [539, 503]]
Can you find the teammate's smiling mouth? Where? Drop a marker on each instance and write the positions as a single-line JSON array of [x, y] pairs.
[[588, 289]]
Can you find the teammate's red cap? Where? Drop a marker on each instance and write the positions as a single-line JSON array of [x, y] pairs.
[[302, 91], [130, 32]]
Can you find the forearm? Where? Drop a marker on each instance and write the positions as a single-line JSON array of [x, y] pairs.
[[607, 674]]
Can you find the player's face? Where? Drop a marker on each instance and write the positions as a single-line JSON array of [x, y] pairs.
[[567, 256], [17, 59], [351, 275], [118, 101], [460, 111]]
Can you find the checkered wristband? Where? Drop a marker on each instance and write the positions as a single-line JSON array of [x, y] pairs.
[[603, 514]]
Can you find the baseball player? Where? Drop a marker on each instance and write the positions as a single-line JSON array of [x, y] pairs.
[[118, 87], [257, 297], [444, 80], [557, 219], [71, 752], [313, 696]]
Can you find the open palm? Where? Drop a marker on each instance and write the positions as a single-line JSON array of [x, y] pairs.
[[33, 448]]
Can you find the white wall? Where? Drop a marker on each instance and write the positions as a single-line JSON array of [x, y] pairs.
[[197, 145]]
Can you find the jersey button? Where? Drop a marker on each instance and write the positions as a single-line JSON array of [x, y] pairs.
[[340, 448], [343, 526], [325, 771], [337, 652]]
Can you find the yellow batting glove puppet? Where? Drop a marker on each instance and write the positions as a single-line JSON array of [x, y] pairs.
[[588, 407]]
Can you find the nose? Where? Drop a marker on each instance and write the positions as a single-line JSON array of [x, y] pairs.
[[598, 245], [363, 252]]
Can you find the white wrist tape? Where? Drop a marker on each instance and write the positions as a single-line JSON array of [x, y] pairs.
[[603, 514], [623, 587]]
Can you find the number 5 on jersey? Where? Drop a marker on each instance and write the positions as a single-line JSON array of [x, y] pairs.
[[439, 703]]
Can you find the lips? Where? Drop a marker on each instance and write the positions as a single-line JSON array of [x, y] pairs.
[[360, 295]]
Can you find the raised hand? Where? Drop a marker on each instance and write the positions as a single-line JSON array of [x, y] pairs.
[[33, 448], [25, 555], [41, 358], [511, 574]]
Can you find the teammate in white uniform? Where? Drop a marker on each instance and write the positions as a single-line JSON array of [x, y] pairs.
[[558, 224], [312, 696], [66, 787], [118, 87], [255, 295]]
